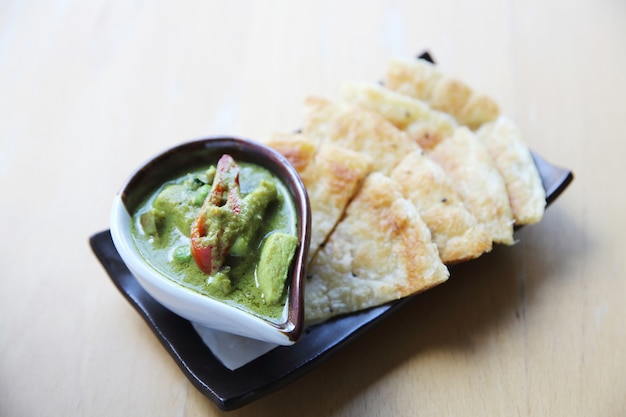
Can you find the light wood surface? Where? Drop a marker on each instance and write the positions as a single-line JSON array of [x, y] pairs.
[[90, 89]]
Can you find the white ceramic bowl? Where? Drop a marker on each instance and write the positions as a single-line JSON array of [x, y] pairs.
[[195, 307]]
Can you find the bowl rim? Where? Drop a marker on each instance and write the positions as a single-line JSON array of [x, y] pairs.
[[154, 171]]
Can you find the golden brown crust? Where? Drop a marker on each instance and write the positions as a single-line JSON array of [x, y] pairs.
[[297, 148], [477, 180], [510, 152], [377, 238], [450, 96], [459, 237], [416, 78], [331, 175], [421, 123], [357, 129], [422, 80], [354, 270], [478, 110]]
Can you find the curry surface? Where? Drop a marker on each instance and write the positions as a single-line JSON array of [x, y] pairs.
[[160, 250]]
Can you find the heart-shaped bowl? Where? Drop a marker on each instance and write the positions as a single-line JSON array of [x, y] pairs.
[[168, 288]]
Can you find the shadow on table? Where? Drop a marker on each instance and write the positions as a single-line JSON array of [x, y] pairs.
[[462, 314]]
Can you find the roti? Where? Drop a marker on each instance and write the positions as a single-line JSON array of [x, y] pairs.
[[455, 231], [357, 129], [420, 79], [380, 251], [477, 180], [400, 186], [505, 143], [422, 124], [330, 174]]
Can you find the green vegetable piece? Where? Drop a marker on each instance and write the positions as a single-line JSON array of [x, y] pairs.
[[276, 256], [221, 281], [175, 202], [148, 224], [152, 223], [252, 209], [182, 254], [201, 194], [210, 174]]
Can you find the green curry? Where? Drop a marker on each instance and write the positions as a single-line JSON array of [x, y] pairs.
[[226, 231]]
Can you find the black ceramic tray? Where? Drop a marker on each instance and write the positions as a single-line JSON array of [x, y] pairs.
[[280, 366]]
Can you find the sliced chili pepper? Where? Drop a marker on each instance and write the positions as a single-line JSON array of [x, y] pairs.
[[217, 224]]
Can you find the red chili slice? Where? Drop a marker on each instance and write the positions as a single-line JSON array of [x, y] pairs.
[[211, 241]]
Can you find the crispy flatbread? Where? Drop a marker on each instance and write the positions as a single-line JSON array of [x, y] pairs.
[[380, 251], [455, 231], [357, 129], [330, 174], [420, 79], [400, 186], [477, 180], [421, 123], [513, 159]]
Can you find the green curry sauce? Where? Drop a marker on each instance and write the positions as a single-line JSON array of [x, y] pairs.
[[161, 229]]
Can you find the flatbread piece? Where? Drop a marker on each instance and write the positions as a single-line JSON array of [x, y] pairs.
[[505, 143], [330, 174], [358, 129], [380, 251], [477, 180], [421, 123], [420, 79], [455, 231]]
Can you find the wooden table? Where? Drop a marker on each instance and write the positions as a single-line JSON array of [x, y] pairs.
[[90, 89]]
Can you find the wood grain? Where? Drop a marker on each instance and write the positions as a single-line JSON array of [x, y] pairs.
[[90, 89]]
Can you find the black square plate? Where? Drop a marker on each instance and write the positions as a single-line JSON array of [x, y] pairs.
[[233, 389]]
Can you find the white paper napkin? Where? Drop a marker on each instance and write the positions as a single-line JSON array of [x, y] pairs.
[[232, 350]]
